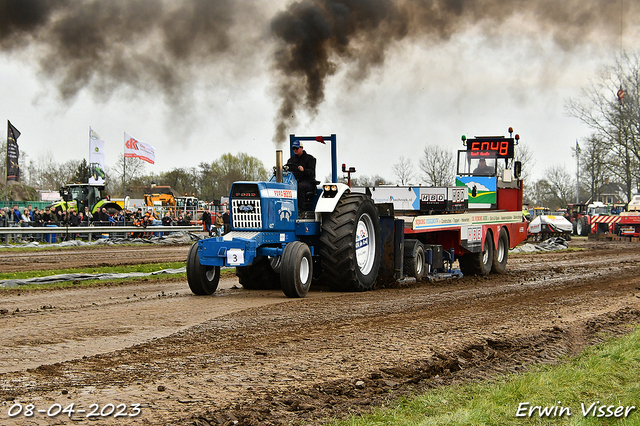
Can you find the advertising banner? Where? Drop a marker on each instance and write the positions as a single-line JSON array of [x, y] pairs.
[[96, 158], [13, 153]]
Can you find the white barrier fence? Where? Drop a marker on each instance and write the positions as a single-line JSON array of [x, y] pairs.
[[89, 231]]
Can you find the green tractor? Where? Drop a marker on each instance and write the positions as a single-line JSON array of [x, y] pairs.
[[77, 196]]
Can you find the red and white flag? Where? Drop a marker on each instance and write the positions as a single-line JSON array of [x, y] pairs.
[[133, 148]]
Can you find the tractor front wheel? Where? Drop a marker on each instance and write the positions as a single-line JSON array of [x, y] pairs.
[[259, 275], [203, 280], [296, 269]]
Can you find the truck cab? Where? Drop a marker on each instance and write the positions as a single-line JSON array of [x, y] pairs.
[[598, 208]]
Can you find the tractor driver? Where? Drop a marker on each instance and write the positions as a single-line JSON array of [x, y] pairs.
[[303, 167], [483, 168]]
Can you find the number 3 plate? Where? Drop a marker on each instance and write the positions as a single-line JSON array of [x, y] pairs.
[[235, 257]]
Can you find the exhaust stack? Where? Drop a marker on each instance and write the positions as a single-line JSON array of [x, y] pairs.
[[279, 165]]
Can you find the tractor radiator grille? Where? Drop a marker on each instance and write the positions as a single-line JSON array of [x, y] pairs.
[[246, 213]]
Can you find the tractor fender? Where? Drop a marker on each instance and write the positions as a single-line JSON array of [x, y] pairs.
[[64, 205], [328, 200], [106, 204], [58, 205]]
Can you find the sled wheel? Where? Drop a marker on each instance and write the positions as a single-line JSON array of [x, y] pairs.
[[259, 275], [414, 259], [296, 269], [501, 253], [351, 245], [203, 280], [478, 263]]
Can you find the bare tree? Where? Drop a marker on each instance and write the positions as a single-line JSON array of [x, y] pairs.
[[524, 155], [206, 182], [403, 170], [182, 180], [535, 192], [557, 189], [374, 180], [125, 173], [594, 165], [611, 107], [438, 166]]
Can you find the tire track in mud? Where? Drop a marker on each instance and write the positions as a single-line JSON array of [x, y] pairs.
[[473, 362]]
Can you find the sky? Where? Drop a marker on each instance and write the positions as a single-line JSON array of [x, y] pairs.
[[200, 78]]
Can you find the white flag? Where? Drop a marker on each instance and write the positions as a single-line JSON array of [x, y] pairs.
[[96, 158], [133, 148]]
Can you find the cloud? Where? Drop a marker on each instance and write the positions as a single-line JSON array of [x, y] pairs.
[[479, 186]]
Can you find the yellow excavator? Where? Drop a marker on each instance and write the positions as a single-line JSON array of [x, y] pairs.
[[161, 199]]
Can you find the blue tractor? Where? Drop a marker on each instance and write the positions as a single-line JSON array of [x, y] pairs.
[[272, 244]]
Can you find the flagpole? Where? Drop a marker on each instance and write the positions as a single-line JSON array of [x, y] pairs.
[[6, 168], [89, 157], [124, 164], [577, 172]]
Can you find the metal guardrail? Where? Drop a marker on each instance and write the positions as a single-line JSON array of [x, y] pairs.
[[90, 230]]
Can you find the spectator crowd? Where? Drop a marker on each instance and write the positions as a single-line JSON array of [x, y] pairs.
[[216, 224], [42, 217], [37, 217]]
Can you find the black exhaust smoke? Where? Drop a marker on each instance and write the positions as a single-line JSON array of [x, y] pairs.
[[149, 45], [161, 45], [316, 36]]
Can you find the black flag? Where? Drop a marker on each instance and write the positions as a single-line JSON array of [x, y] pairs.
[[13, 170]]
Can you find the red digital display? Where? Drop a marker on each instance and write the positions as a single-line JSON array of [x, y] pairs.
[[490, 147]]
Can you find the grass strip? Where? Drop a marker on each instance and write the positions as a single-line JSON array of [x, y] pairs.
[[585, 390]]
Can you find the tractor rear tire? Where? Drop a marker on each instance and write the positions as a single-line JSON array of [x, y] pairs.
[[351, 244], [583, 227], [296, 270], [203, 280], [259, 275], [478, 263], [501, 253], [414, 259]]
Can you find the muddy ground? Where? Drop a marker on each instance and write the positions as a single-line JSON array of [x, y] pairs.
[[89, 256], [258, 358]]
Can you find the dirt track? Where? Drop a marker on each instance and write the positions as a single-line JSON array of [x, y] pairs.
[[89, 257], [256, 357]]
